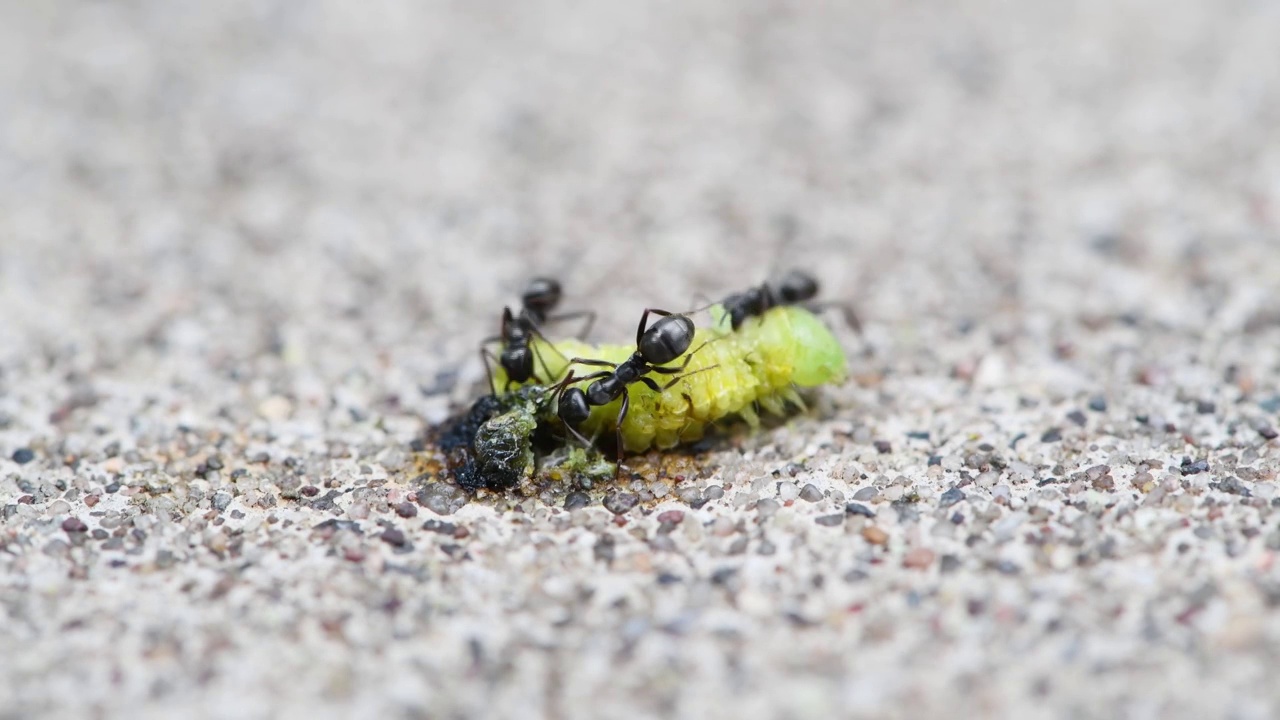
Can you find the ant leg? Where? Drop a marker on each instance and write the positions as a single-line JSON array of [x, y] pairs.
[[644, 321], [570, 379], [675, 380], [622, 415], [688, 357], [593, 363], [585, 330], [580, 437], [485, 357], [649, 382], [537, 354], [850, 315]]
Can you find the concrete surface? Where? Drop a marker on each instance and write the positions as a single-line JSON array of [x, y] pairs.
[[244, 244]]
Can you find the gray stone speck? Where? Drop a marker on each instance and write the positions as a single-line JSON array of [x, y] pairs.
[[619, 503], [74, 525], [1232, 485], [1098, 403], [810, 493], [1195, 468], [1051, 435], [689, 495], [865, 494], [221, 500], [393, 536], [576, 499], [830, 520], [854, 508], [951, 497], [1007, 567]]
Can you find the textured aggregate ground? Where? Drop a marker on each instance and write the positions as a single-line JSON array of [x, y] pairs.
[[247, 250]]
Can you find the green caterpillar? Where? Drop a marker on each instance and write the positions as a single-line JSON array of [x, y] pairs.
[[730, 373]]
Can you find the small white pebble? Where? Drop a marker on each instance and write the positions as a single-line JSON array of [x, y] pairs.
[[722, 526], [276, 407], [788, 491]]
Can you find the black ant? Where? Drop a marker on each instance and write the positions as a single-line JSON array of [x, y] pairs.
[[668, 339], [794, 288], [518, 355]]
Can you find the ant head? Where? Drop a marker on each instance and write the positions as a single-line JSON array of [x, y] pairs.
[[667, 340], [541, 295], [797, 286], [517, 362], [572, 408]]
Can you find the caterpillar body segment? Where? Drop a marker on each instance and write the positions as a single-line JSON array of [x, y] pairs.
[[729, 372]]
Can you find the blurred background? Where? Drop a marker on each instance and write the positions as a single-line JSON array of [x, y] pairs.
[[277, 231], [237, 174]]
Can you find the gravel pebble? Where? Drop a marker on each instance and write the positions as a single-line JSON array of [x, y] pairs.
[[576, 499], [830, 520], [1194, 468], [874, 535], [620, 503], [918, 559], [392, 536], [951, 497], [74, 525], [866, 494], [690, 496], [22, 456], [672, 517], [810, 493], [854, 508]]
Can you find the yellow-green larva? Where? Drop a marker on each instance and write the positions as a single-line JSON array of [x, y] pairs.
[[730, 372]]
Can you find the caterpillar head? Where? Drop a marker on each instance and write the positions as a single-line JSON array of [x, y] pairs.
[[818, 358]]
